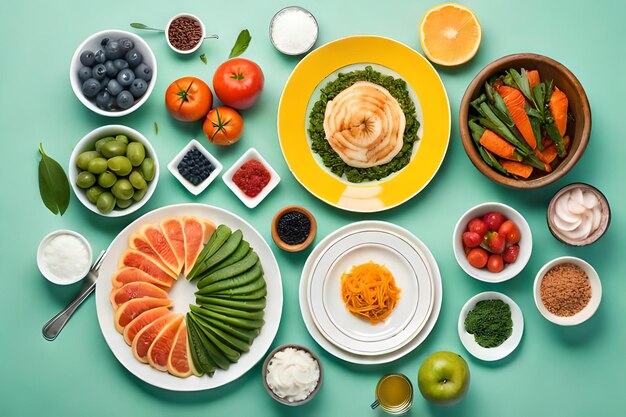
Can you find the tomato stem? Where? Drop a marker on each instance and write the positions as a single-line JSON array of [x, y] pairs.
[[220, 126], [237, 76], [184, 93]]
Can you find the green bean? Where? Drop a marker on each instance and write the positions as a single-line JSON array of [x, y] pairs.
[[120, 165], [248, 305], [85, 179], [227, 249], [231, 341], [233, 321], [254, 295], [217, 239], [105, 202], [245, 335], [97, 165], [254, 286], [214, 353], [206, 287], [233, 312], [136, 153], [199, 355], [82, 160], [239, 254], [232, 270], [231, 354]]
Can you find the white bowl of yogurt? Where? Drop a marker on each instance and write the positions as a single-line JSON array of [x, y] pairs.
[[64, 257], [292, 374]]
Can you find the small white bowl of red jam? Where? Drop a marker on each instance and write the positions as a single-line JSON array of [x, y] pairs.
[[251, 178]]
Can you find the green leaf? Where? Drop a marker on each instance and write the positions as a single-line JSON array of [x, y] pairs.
[[203, 59], [54, 187], [156, 128], [241, 44], [139, 26]]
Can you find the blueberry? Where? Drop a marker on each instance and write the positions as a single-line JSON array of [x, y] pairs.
[[126, 44], [125, 77], [112, 50], [120, 64], [99, 72], [104, 42], [114, 88], [105, 82], [99, 56], [87, 58], [143, 71], [84, 73], [111, 70], [138, 87], [91, 87], [105, 101], [125, 99], [134, 58]]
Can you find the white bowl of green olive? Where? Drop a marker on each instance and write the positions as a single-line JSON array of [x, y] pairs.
[[113, 170]]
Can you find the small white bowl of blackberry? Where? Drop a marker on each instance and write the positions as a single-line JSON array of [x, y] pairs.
[[113, 72], [195, 167]]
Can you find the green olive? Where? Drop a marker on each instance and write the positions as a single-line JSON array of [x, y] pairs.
[[148, 169], [136, 153], [113, 148], [97, 165], [106, 202], [93, 193], [123, 189], [139, 194], [82, 160], [107, 179], [124, 203], [120, 165], [136, 179], [101, 142], [85, 179], [122, 138]]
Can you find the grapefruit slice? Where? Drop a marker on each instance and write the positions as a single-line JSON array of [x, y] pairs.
[[133, 308], [158, 242], [193, 231], [172, 228], [141, 321], [160, 349], [209, 228], [179, 361], [140, 260], [450, 34], [137, 289], [139, 242], [143, 340], [129, 274]]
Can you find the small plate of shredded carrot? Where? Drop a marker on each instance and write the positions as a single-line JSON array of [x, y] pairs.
[[519, 124]]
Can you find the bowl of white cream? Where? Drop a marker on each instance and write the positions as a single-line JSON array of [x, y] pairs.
[[578, 214], [64, 257], [292, 374], [293, 30]]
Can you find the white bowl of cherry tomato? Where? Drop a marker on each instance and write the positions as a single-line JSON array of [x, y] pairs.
[[492, 242]]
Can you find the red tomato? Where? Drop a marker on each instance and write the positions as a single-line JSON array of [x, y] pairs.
[[188, 99], [478, 225], [477, 257], [471, 239], [510, 232], [495, 263], [223, 126], [238, 83], [510, 254]]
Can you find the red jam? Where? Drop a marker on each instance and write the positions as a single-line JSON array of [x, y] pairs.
[[252, 177]]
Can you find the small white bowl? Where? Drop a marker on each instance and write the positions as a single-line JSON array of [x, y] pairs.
[[508, 346], [525, 243], [173, 167], [588, 310], [250, 202], [283, 13], [45, 269], [93, 43], [167, 34], [87, 144]]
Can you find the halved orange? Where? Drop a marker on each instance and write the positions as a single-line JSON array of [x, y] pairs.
[[450, 34]]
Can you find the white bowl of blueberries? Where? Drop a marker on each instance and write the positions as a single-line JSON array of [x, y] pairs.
[[113, 72]]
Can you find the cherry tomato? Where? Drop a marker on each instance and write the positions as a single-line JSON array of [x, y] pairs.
[[510, 231], [478, 225], [495, 263], [510, 254], [238, 83], [188, 99], [494, 219], [223, 126], [471, 239], [477, 257]]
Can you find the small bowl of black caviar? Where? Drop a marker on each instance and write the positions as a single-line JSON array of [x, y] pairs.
[[195, 167], [293, 228]]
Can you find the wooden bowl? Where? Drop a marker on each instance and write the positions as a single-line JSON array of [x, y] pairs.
[[578, 130], [300, 246]]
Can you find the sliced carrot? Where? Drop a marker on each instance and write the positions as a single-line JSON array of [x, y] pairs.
[[499, 146], [517, 168], [533, 78], [515, 102], [566, 142], [558, 107], [548, 154]]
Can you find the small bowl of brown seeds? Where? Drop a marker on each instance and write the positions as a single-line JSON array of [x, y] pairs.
[[567, 291], [185, 33]]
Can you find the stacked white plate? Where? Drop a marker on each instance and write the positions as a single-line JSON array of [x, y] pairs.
[[354, 339]]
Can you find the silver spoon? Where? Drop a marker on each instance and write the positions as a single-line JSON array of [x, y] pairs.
[[145, 27]]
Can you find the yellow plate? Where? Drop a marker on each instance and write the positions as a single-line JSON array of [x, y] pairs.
[[348, 54]]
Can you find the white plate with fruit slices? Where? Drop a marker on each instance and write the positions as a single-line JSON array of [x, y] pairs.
[[182, 294]]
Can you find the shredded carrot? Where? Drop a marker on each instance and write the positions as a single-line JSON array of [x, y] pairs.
[[369, 291]]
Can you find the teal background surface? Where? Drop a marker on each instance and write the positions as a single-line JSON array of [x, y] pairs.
[[555, 371]]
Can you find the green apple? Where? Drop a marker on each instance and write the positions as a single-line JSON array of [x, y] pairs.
[[443, 378]]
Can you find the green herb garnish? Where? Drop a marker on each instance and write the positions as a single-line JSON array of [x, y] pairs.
[[490, 322], [241, 44], [203, 58], [156, 128], [54, 187]]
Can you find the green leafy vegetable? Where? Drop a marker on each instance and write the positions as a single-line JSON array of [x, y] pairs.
[[156, 128], [54, 187], [203, 58], [241, 44], [490, 322], [139, 26]]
